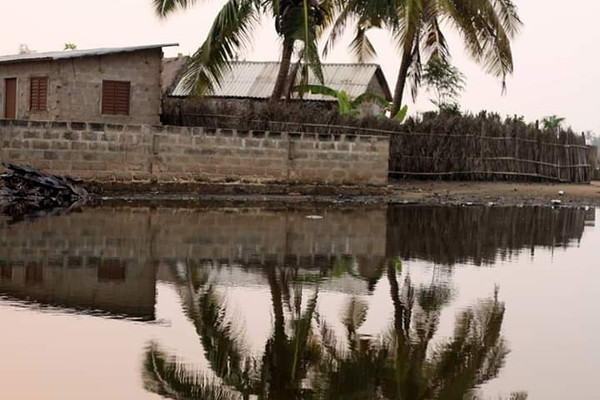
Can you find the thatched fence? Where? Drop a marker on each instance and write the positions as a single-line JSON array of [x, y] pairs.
[[481, 147], [486, 148]]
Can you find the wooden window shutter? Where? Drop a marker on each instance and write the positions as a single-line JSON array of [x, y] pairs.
[[38, 93], [115, 97]]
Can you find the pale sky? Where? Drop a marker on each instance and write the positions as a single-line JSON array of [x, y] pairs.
[[556, 69]]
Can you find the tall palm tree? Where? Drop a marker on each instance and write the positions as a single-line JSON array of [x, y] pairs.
[[485, 26], [231, 31]]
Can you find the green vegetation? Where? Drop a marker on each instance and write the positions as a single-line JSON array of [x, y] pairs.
[[552, 123], [295, 21], [486, 27], [70, 46], [346, 105], [447, 82]]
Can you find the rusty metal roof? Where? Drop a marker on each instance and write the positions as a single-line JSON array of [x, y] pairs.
[[60, 55], [247, 79]]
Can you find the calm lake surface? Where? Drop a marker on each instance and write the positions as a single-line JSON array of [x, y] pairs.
[[407, 302]]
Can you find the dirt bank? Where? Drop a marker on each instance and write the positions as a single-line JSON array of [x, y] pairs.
[[501, 193], [498, 193]]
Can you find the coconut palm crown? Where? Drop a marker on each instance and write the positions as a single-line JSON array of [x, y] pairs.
[[231, 31], [486, 28]]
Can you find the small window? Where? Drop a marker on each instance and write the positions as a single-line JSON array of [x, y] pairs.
[[34, 273], [6, 271], [115, 97], [38, 93], [112, 270]]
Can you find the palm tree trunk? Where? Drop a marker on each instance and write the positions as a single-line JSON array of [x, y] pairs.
[[401, 82], [284, 68]]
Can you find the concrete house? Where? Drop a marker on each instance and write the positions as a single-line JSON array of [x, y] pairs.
[[256, 80], [111, 85]]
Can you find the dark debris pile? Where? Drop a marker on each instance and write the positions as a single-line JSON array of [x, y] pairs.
[[28, 190]]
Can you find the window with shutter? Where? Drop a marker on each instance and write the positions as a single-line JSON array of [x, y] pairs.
[[115, 97], [38, 93]]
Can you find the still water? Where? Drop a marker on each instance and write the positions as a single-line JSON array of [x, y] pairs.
[[407, 302]]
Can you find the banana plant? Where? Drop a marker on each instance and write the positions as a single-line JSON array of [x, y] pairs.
[[346, 104]]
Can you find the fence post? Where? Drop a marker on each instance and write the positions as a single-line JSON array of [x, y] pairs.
[[517, 163], [481, 163], [593, 161]]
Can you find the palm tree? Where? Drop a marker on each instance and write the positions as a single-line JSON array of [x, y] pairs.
[[486, 27], [231, 31]]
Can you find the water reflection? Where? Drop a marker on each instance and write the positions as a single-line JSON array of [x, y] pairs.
[[108, 261], [453, 235], [302, 358]]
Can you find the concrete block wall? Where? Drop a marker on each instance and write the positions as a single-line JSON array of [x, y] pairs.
[[147, 153]]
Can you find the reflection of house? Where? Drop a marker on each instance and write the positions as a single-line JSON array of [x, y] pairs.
[[91, 284], [255, 81], [120, 85], [83, 283]]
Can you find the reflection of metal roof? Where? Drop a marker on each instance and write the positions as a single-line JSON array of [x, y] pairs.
[[60, 55], [256, 80]]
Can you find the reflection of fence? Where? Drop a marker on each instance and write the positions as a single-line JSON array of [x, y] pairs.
[[450, 235], [512, 156]]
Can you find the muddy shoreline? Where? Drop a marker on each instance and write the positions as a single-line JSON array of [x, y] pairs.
[[406, 192]]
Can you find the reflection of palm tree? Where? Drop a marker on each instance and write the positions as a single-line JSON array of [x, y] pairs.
[[170, 379], [280, 372], [287, 359], [400, 365]]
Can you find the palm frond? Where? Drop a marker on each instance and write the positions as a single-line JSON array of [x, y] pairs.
[[361, 47], [474, 355], [434, 42], [509, 17], [166, 377], [337, 30], [165, 7], [230, 33]]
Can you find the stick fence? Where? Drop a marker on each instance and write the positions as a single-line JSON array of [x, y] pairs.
[[560, 157]]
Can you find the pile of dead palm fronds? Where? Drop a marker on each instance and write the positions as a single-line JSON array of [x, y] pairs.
[[29, 191]]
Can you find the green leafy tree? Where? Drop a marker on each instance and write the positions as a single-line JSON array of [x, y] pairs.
[[295, 21], [485, 26], [446, 81]]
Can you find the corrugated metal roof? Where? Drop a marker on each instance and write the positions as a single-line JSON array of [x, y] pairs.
[[59, 55], [257, 79]]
